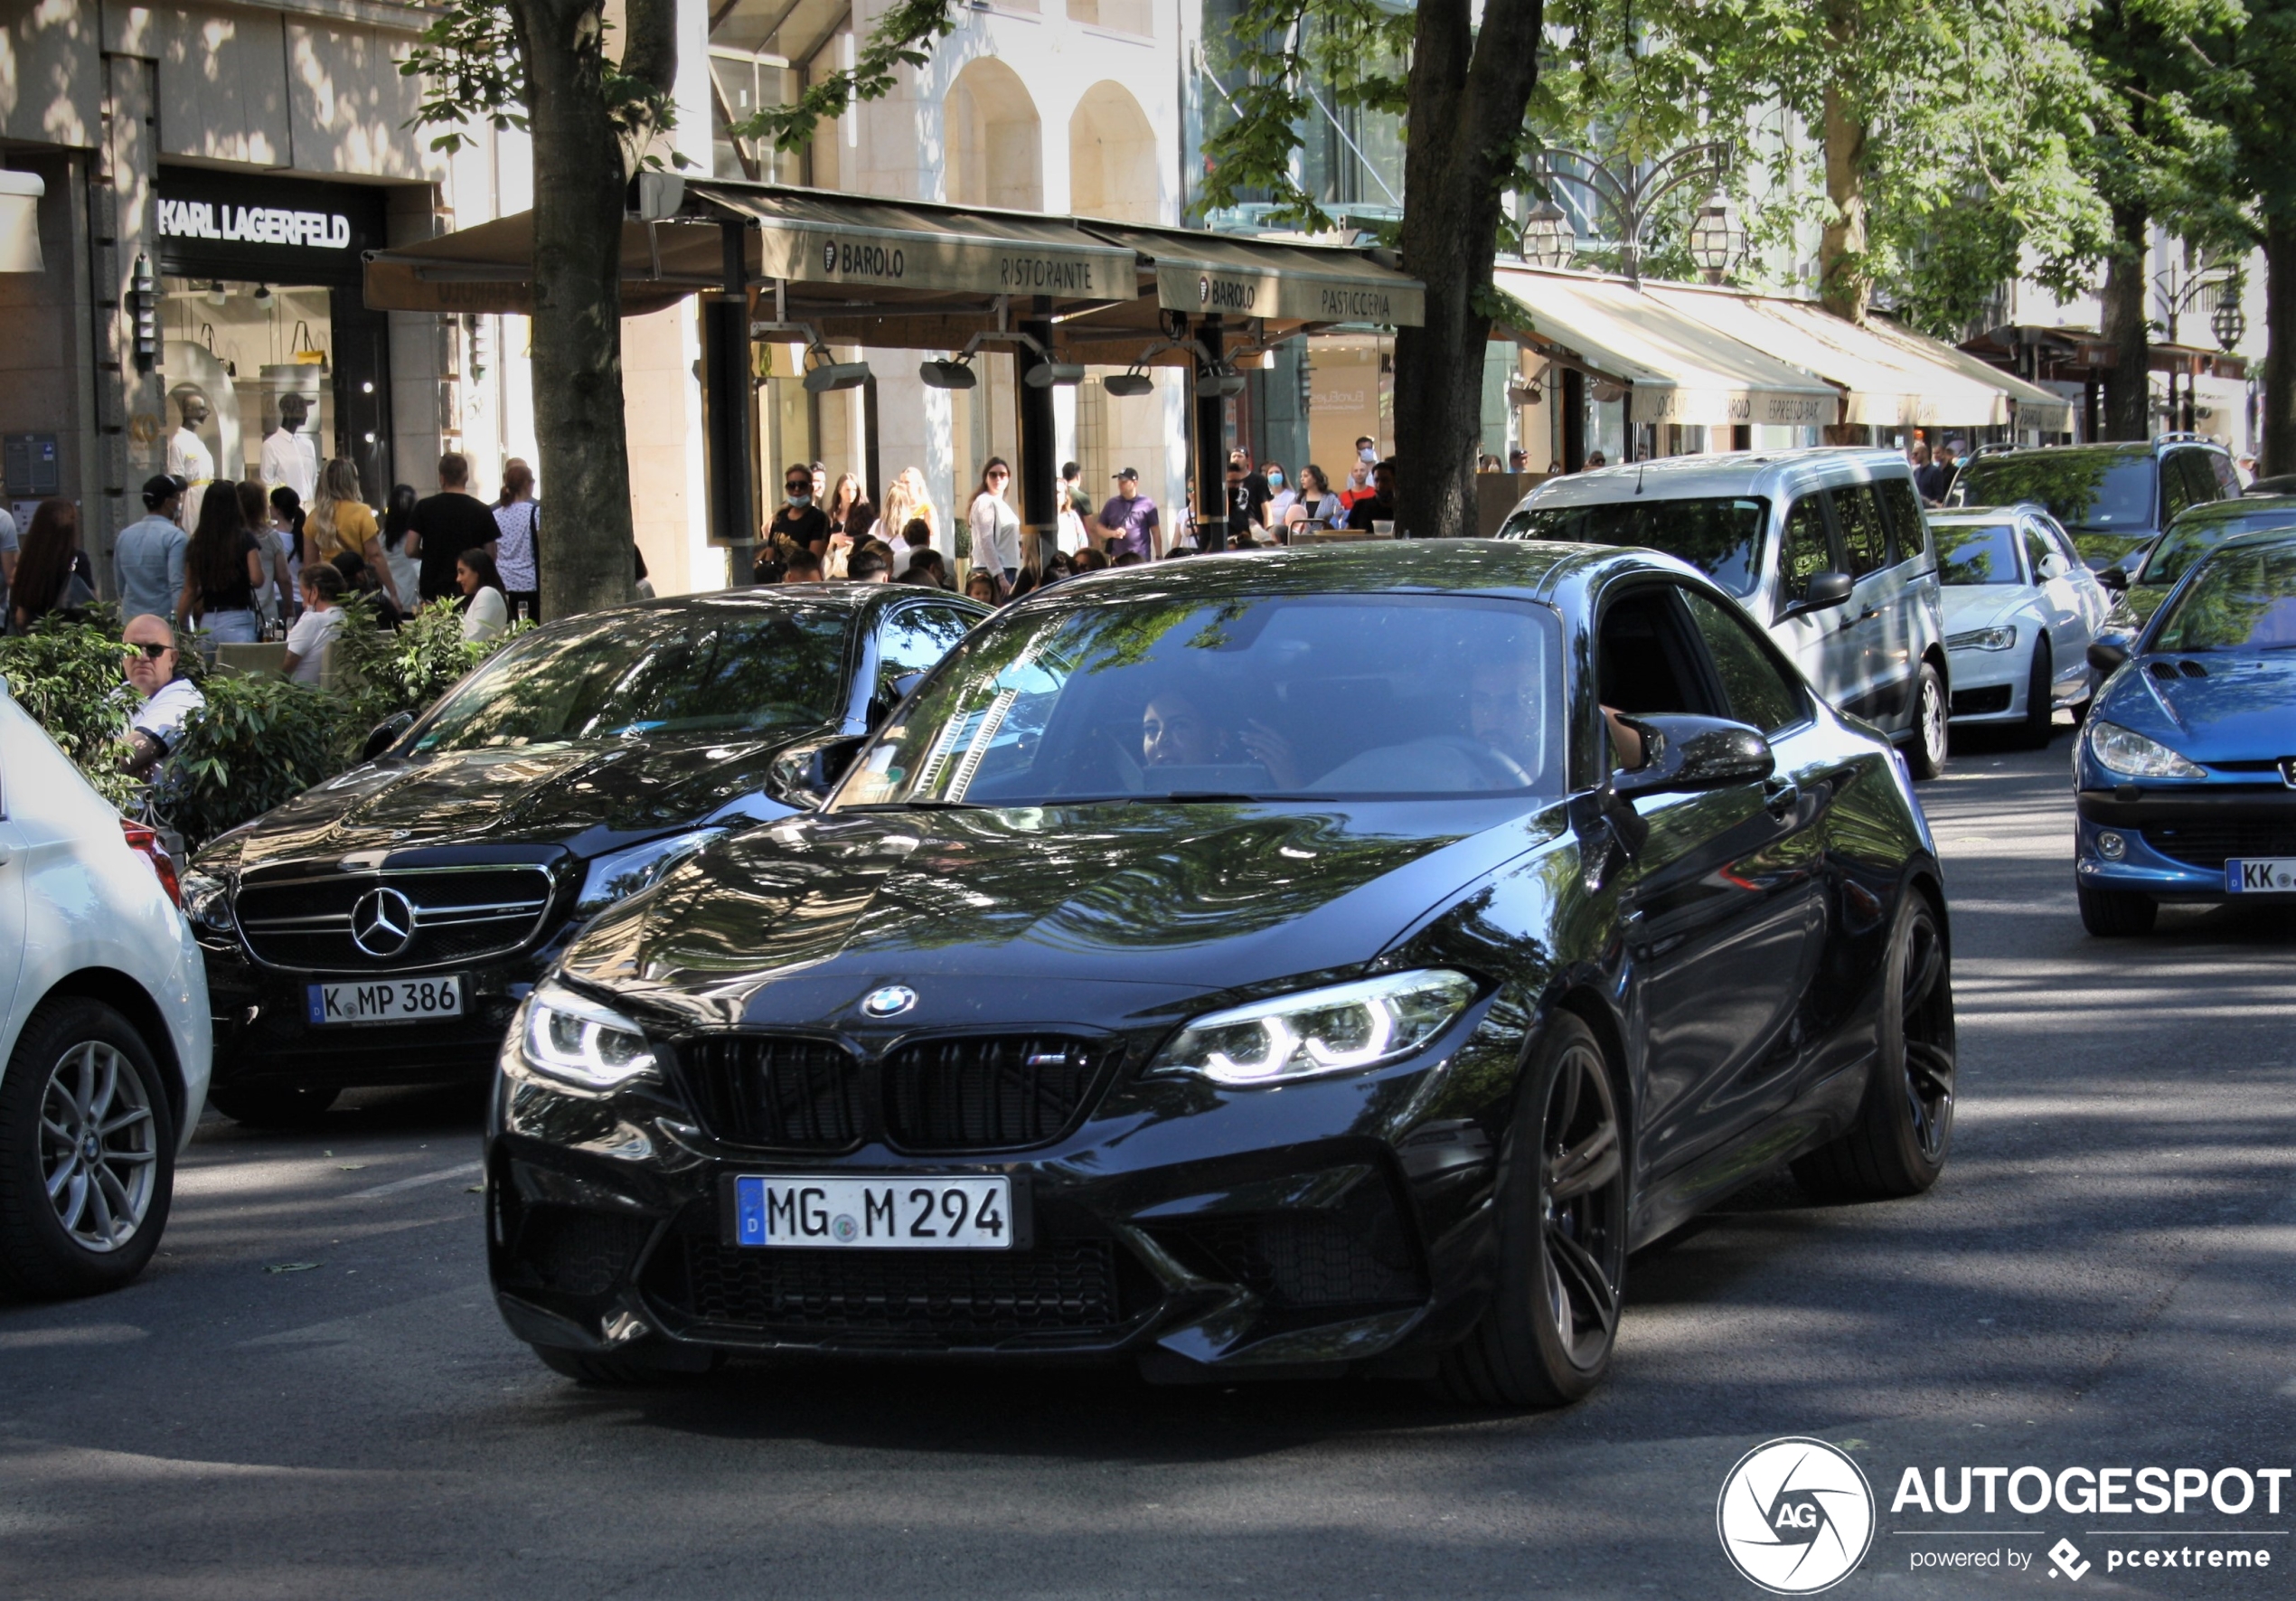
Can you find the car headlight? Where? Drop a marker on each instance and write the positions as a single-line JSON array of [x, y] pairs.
[[2001, 639], [626, 873], [2124, 750], [575, 1040], [1343, 1029], [207, 902]]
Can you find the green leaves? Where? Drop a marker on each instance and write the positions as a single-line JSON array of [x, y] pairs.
[[904, 35], [67, 676]]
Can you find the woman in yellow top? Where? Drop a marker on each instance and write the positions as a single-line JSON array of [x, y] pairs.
[[339, 520]]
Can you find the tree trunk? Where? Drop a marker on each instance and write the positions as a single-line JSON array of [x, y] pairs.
[[2280, 347], [2128, 385], [1468, 93], [580, 182], [1843, 282]]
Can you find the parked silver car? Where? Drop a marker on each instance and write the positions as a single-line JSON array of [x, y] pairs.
[[2020, 610], [1826, 549]]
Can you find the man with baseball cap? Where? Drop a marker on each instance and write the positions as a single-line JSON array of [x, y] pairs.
[[147, 559], [1129, 519]]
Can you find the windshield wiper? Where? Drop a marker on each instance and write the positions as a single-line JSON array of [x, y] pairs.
[[917, 806], [1188, 796]]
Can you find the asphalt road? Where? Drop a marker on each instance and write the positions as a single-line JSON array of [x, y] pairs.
[[309, 1394]]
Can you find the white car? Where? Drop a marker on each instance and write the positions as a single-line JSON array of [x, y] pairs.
[[104, 1026], [2020, 609]]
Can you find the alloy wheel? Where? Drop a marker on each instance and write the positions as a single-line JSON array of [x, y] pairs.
[[1583, 1207], [1932, 720], [99, 1146], [1925, 1009]]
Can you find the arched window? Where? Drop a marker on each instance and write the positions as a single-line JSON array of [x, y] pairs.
[[995, 142], [1113, 170]]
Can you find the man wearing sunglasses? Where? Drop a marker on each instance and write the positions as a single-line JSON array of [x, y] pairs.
[[167, 698]]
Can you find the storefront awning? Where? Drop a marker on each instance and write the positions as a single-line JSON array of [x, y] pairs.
[[2031, 406], [19, 196], [489, 268], [1675, 368], [1202, 274], [1884, 381]]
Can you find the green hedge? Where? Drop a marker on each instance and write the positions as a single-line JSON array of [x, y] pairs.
[[261, 741]]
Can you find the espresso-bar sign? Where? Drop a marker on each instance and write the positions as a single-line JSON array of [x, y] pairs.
[[254, 225]]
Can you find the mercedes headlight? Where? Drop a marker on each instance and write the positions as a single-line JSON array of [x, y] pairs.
[[2126, 751], [1343, 1029], [2001, 639], [207, 902], [578, 1042], [626, 873]]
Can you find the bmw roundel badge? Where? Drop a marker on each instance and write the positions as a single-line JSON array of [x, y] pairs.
[[890, 1001]]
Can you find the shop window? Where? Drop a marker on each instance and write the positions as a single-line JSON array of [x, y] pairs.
[[250, 382]]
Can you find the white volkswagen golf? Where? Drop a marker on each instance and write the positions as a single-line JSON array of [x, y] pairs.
[[104, 1029]]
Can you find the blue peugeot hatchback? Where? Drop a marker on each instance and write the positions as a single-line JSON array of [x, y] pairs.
[[2185, 773]]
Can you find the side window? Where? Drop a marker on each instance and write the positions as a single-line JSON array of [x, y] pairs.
[[2227, 481], [1808, 549], [1647, 661], [2036, 552], [1902, 505], [2176, 486], [1759, 691], [1865, 537], [914, 639]]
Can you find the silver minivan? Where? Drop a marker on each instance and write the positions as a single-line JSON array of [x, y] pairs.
[[1826, 547]]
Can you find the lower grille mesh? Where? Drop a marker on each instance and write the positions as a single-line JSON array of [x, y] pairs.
[[2212, 844], [1068, 1287], [1305, 1259]]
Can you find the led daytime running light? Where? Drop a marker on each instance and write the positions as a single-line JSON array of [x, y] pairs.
[[579, 1042]]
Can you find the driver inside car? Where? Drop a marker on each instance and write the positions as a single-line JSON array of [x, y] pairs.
[[1503, 712]]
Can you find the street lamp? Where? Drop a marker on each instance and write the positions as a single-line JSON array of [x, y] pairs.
[[1632, 201], [1548, 238], [1717, 241], [2228, 322]]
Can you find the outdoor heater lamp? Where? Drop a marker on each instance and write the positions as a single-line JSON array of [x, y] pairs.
[[835, 375], [1128, 384], [1046, 374], [948, 374]]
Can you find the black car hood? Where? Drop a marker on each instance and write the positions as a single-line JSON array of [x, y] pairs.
[[586, 798], [794, 921]]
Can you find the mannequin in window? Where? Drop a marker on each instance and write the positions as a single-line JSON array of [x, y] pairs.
[[288, 456], [188, 456]]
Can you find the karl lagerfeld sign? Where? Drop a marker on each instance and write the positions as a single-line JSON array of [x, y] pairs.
[[257, 225]]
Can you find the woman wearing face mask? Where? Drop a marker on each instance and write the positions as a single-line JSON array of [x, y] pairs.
[[1284, 496]]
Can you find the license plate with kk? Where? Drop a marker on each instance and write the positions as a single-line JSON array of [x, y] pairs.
[[905, 1214], [386, 999], [2261, 875]]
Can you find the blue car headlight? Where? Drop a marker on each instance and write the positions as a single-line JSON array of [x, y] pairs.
[[1342, 1028], [2132, 755], [625, 872]]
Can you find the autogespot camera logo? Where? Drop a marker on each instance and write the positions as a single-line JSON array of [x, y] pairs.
[[1796, 1516]]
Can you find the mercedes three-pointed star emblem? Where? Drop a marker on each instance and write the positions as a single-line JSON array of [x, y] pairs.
[[382, 923]]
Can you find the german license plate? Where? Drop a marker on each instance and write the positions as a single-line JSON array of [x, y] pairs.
[[2261, 875], [386, 999], [910, 1214]]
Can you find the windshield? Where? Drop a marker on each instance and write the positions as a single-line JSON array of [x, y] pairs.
[[2088, 491], [1985, 553], [2182, 546], [719, 669], [1722, 538], [2241, 600], [1254, 697]]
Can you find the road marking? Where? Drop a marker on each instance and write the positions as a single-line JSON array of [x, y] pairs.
[[440, 1177]]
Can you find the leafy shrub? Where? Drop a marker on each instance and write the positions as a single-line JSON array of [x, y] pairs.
[[386, 674], [259, 742], [68, 675]]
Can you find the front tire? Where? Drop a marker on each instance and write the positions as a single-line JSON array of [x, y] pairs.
[[1547, 1338], [2041, 706], [272, 1106], [1904, 1126], [2116, 914], [1926, 758], [87, 1153]]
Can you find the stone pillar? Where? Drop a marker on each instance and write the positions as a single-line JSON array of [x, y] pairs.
[[123, 223]]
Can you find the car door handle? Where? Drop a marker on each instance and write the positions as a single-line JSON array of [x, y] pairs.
[[1867, 616], [1781, 797]]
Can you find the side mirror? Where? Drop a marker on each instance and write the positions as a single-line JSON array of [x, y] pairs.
[[1682, 754], [2115, 580], [1826, 591], [386, 734], [2105, 656], [805, 777]]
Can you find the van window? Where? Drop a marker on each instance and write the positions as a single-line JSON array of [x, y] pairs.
[[2227, 481], [2177, 487], [1721, 537], [1808, 549], [1902, 506], [1865, 537]]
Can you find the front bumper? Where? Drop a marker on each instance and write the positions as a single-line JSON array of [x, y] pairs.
[[2175, 843], [1197, 1231], [1989, 686]]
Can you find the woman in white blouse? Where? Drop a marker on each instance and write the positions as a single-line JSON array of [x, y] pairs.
[[996, 527], [486, 613]]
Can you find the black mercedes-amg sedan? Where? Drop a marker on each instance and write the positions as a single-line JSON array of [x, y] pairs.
[[380, 927], [1270, 964]]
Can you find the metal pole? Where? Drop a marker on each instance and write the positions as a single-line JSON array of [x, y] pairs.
[[1212, 442], [1573, 403], [1039, 473], [729, 433], [872, 485]]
